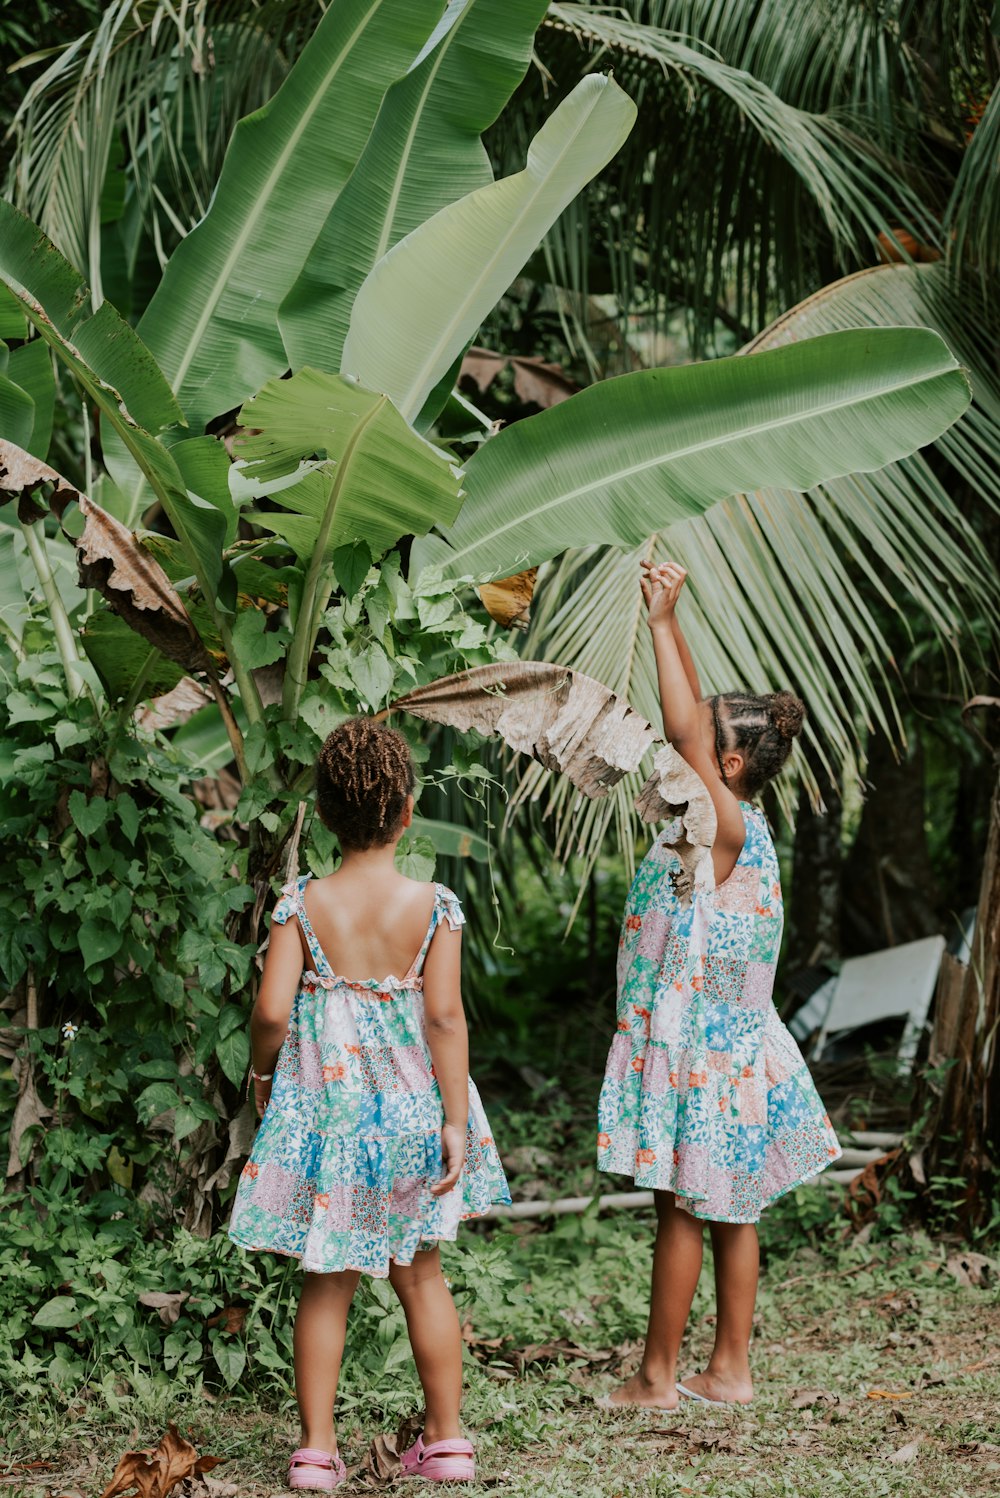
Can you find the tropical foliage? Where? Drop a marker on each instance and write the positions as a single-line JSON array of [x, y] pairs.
[[337, 464], [284, 583], [245, 251]]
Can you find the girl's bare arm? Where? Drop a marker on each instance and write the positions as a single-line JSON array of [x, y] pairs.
[[269, 1020], [687, 659], [682, 713], [448, 1041]]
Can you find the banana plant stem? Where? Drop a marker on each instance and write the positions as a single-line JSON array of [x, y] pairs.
[[232, 727], [66, 644]]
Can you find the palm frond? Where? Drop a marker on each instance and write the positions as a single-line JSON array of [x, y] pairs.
[[828, 55], [759, 164], [974, 210], [787, 589], [128, 124], [958, 45]]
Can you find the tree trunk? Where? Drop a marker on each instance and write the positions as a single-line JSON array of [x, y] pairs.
[[814, 908], [889, 891], [957, 1105]]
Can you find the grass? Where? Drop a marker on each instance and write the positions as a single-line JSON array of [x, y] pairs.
[[842, 1325], [555, 1313]]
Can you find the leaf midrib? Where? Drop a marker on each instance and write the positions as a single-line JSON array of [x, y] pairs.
[[389, 218], [409, 406], [567, 496], [264, 197]]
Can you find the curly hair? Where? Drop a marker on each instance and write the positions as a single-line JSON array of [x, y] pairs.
[[363, 776], [762, 728]]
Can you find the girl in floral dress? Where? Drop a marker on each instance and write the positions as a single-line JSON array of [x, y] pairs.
[[706, 1098], [374, 1144]]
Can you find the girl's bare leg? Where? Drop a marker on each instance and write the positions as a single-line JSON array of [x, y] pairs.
[[676, 1267], [432, 1324], [737, 1261], [320, 1330]]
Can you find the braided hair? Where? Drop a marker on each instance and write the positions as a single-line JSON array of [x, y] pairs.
[[762, 728], [363, 776]]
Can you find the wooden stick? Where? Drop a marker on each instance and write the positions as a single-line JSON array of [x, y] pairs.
[[568, 1205], [623, 1201]]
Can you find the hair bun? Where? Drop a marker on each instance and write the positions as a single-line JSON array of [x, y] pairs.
[[787, 713]]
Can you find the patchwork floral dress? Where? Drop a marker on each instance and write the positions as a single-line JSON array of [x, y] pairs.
[[705, 1092], [350, 1144]]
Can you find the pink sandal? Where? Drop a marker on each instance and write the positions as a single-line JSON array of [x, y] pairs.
[[318, 1471], [441, 1461]]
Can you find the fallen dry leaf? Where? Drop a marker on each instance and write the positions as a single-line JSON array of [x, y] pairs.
[[978, 1367], [865, 1191], [970, 1269], [905, 1453], [804, 1399], [480, 1344], [975, 1448], [714, 1440], [381, 1464], [229, 1319], [157, 1470], [167, 1302]]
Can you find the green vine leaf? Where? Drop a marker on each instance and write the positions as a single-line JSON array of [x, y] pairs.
[[60, 1311], [98, 941], [89, 816]]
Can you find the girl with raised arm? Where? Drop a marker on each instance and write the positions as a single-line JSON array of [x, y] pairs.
[[374, 1144], [706, 1098]]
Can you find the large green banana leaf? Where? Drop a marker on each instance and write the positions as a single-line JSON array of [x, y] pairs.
[[423, 153], [17, 413], [120, 375], [423, 301], [634, 455], [212, 323], [30, 367], [99, 346], [798, 573], [379, 481]]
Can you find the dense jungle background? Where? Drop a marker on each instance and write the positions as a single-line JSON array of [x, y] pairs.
[[200, 575]]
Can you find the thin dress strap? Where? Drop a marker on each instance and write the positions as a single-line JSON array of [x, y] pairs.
[[446, 904], [320, 963]]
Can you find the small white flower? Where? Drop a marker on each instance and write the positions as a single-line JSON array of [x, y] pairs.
[[70, 1031]]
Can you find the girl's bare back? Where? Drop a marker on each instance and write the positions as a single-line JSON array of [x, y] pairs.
[[369, 923]]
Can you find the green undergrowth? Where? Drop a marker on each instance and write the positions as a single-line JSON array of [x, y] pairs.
[[861, 1349]]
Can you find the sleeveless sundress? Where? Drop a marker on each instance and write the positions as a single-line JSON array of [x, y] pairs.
[[705, 1092], [350, 1143]]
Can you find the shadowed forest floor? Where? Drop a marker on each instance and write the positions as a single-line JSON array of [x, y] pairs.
[[877, 1371]]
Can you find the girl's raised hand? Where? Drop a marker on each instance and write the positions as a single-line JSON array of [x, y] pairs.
[[661, 585]]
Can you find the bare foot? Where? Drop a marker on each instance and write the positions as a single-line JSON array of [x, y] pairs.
[[642, 1392], [723, 1388]]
